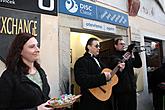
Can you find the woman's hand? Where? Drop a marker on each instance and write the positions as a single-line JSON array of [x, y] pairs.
[[43, 107]]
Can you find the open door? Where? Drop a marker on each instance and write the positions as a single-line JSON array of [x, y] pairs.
[[153, 58], [106, 50]]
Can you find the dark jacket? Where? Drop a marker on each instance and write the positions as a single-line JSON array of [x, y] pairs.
[[127, 81], [17, 92], [157, 77], [158, 87], [88, 75]]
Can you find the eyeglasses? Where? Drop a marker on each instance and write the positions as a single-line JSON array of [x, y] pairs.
[[97, 46], [121, 43]]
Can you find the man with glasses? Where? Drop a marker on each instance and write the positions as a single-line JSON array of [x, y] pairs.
[[124, 91], [87, 70]]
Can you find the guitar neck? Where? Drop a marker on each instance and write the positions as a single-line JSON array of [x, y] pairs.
[[117, 67], [114, 70]]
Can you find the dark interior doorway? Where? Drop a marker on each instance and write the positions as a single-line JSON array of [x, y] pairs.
[[154, 57], [106, 50]]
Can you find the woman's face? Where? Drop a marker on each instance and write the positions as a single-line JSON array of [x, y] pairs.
[[30, 51]]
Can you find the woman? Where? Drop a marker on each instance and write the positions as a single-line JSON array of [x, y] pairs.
[[23, 85]]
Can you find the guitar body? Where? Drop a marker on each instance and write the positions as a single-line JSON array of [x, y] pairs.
[[104, 92]]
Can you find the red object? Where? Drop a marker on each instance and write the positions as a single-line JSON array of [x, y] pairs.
[[133, 7], [157, 45]]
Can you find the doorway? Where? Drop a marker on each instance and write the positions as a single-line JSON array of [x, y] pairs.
[[77, 49], [154, 56]]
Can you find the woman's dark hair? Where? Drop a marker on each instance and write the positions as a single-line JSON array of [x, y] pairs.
[[89, 42], [13, 59]]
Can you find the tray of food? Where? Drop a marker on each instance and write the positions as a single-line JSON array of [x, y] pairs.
[[62, 101]]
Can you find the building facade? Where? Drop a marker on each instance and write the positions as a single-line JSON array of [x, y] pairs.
[[63, 26]]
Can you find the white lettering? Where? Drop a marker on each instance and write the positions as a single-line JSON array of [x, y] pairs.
[[86, 7], [8, 1], [41, 6], [86, 12]]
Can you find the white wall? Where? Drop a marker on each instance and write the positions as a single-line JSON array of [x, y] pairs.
[[149, 9], [49, 51], [120, 4], [147, 26]]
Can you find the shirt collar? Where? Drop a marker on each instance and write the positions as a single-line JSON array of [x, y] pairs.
[[91, 54]]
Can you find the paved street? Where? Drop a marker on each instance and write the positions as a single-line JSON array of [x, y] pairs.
[[145, 99]]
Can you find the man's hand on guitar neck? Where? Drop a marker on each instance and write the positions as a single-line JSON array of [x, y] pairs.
[[121, 66], [108, 74]]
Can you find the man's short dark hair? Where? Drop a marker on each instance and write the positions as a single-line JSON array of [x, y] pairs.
[[117, 40], [89, 42]]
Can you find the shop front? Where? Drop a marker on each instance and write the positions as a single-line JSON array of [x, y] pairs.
[[148, 29], [76, 25], [38, 18]]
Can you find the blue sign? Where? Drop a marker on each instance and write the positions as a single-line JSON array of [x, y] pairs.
[[91, 11], [78, 8]]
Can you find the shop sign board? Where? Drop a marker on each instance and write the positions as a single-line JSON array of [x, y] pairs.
[[39, 6], [120, 4], [95, 25], [91, 11], [13, 22]]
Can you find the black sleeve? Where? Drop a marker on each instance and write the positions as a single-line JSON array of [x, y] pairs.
[[86, 80], [35, 108], [113, 60], [6, 90], [137, 62]]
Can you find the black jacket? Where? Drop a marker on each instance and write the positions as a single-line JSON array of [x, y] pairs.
[[127, 81], [88, 75], [17, 92], [157, 77]]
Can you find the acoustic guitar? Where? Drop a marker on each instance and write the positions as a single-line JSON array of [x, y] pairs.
[[104, 92]]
